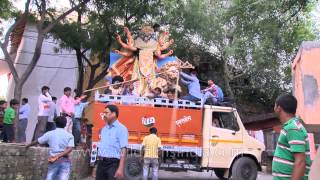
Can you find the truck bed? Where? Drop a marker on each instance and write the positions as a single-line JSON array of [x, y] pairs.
[[176, 126]]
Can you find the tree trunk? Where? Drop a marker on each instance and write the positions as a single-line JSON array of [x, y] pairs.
[[91, 84], [80, 71], [226, 79], [18, 90], [18, 96]]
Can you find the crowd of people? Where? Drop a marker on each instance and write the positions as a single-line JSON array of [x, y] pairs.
[[72, 106], [15, 117], [60, 124], [212, 94]]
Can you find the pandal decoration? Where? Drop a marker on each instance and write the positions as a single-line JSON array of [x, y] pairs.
[[138, 63]]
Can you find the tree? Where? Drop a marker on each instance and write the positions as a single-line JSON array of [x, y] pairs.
[[104, 20], [45, 23], [248, 44], [252, 42]]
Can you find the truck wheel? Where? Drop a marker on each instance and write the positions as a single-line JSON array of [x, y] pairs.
[[220, 172], [244, 169], [133, 168]]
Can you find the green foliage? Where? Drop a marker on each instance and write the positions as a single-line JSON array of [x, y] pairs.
[[257, 39], [6, 9]]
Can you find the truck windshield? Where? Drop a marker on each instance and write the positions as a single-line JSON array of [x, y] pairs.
[[226, 120]]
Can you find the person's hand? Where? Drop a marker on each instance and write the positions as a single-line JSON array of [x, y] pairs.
[[126, 29], [119, 174], [27, 146], [116, 51], [118, 37], [83, 96], [53, 159], [71, 114]]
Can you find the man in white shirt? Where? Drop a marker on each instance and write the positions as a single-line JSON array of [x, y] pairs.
[[24, 112], [44, 101]]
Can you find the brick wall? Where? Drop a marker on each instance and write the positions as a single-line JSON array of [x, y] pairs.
[[16, 162]]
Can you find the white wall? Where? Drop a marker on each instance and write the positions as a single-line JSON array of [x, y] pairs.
[[55, 78]]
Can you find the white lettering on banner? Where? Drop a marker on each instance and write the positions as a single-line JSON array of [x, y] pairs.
[[183, 120], [148, 121], [102, 116]]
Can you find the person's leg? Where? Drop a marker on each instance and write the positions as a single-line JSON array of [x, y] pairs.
[[19, 131], [209, 96], [112, 167], [51, 126], [101, 171], [69, 124], [190, 98], [36, 129], [22, 126], [10, 132], [5, 136], [64, 170], [41, 126], [52, 171], [146, 165], [1, 133], [155, 168], [74, 133], [76, 130], [48, 127]]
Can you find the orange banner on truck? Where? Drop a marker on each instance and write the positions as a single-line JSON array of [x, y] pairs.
[[176, 126]]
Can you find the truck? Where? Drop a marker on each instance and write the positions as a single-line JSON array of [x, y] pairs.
[[194, 136]]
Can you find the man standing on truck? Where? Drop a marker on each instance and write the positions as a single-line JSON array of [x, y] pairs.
[[192, 82], [151, 145], [292, 155], [112, 146]]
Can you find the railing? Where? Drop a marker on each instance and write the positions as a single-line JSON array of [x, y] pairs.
[[161, 102]]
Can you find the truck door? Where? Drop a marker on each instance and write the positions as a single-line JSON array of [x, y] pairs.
[[225, 138]]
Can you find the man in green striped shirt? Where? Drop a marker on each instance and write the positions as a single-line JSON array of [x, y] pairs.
[[292, 156]]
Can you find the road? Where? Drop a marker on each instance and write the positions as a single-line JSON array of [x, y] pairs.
[[191, 175]]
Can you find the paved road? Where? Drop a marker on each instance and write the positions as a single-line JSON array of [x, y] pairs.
[[191, 175]]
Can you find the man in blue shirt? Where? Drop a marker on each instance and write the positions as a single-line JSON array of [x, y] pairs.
[[78, 111], [112, 146], [60, 143], [24, 112], [192, 82]]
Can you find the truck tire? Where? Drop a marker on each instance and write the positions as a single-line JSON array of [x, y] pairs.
[[220, 172], [244, 169], [133, 168]]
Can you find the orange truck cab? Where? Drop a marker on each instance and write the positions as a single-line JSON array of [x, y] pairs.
[[194, 136]]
